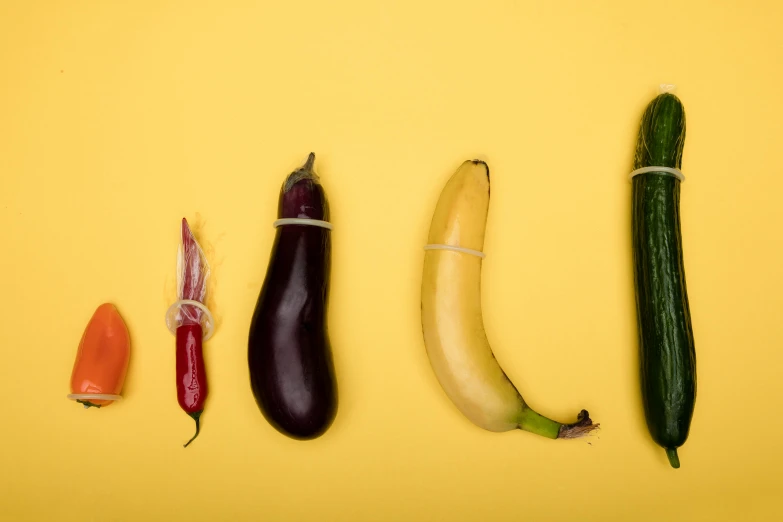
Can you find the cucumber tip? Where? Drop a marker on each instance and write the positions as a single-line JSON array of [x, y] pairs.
[[674, 459]]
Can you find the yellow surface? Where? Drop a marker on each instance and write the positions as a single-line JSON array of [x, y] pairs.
[[119, 118]]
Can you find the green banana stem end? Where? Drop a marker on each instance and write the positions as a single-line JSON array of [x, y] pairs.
[[534, 422], [674, 460]]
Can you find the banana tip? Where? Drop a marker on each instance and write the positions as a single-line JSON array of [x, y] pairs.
[[482, 163]]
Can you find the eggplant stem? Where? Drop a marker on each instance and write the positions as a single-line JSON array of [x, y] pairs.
[[196, 416], [308, 166], [304, 172]]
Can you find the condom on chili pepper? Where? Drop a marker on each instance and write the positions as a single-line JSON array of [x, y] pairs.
[[192, 324], [101, 360]]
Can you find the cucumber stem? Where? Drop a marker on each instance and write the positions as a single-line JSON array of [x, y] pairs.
[[196, 416], [674, 460]]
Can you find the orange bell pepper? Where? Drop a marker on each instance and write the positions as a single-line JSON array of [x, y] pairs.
[[102, 360]]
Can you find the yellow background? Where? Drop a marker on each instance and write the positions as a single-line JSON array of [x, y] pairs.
[[119, 118]]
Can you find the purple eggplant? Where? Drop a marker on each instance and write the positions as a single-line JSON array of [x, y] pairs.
[[289, 354]]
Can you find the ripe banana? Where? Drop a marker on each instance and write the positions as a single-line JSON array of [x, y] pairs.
[[451, 316]]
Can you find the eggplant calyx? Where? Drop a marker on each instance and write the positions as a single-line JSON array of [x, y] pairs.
[[304, 172]]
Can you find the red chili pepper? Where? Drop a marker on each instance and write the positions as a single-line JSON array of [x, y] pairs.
[[191, 374]]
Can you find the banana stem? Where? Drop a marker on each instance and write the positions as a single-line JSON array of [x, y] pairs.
[[534, 422], [580, 428]]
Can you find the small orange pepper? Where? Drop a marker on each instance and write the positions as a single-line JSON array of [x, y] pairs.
[[102, 360]]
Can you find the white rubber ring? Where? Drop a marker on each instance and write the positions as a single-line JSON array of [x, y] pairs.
[[98, 396], [209, 324], [462, 250], [302, 221], [666, 171]]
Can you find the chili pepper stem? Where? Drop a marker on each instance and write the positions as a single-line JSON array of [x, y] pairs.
[[88, 404], [196, 415]]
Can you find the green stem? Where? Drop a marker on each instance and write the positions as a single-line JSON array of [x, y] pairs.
[[196, 415], [88, 404], [534, 422], [674, 460]]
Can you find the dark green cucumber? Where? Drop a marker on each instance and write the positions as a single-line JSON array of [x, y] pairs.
[[666, 350]]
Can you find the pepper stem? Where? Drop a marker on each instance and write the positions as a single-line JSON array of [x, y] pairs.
[[196, 415], [674, 460], [88, 404]]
